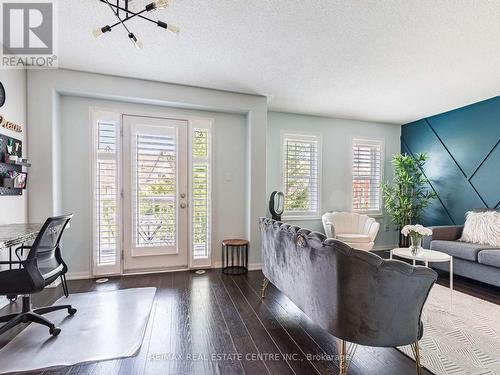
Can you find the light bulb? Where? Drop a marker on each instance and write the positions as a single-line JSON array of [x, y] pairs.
[[101, 30], [137, 43], [173, 28], [160, 4], [97, 32]]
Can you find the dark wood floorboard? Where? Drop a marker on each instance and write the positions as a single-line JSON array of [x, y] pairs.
[[217, 324]]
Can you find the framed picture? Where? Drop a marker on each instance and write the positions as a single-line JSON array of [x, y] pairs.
[[21, 180]]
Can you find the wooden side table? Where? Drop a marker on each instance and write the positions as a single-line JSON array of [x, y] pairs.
[[235, 257]]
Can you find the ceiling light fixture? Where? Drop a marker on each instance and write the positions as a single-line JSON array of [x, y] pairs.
[[123, 14]]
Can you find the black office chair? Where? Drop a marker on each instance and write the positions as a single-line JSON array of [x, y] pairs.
[[42, 266]]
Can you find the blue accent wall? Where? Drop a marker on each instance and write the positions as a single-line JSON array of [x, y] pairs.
[[464, 159]]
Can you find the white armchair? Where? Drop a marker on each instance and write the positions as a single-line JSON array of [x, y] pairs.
[[358, 231]]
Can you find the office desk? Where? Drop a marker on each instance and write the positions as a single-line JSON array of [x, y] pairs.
[[16, 234]]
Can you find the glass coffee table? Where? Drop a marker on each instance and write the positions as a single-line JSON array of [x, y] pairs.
[[426, 256]]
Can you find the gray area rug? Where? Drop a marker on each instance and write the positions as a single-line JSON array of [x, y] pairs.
[[107, 325], [463, 340]]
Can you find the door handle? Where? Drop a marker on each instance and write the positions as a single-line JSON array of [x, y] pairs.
[[183, 205], [183, 195]]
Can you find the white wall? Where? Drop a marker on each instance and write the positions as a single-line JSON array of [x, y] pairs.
[[229, 174], [337, 135], [13, 209], [45, 141]]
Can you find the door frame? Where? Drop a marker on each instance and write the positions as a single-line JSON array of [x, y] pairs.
[[192, 121]]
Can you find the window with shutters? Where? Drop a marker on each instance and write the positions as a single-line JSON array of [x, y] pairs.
[[367, 176], [106, 202], [201, 192], [301, 165]]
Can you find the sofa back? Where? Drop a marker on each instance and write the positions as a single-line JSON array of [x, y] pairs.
[[355, 295]]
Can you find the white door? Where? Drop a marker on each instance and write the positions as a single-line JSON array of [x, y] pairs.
[[155, 188]]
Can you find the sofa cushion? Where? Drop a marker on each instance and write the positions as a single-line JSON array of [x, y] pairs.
[[353, 237], [463, 250], [489, 257]]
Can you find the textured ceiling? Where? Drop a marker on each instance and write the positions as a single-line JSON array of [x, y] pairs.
[[391, 61]]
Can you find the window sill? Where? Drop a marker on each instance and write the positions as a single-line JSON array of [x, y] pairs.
[[300, 218], [371, 214]]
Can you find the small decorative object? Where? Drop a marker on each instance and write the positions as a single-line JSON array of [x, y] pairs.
[[416, 233], [123, 14], [4, 123], [2, 95], [277, 205], [409, 193]]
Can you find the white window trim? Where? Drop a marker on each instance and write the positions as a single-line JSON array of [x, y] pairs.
[[112, 116], [373, 141], [301, 135]]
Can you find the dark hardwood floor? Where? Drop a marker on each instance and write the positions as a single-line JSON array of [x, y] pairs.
[[217, 324]]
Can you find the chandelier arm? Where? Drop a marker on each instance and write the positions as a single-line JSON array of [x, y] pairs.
[[128, 18], [117, 16], [125, 10]]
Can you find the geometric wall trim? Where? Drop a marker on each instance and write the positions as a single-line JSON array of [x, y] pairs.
[[463, 169]]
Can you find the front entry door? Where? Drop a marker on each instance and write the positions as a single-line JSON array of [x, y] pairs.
[[155, 188]]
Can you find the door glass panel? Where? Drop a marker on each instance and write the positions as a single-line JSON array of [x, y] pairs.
[[155, 189]]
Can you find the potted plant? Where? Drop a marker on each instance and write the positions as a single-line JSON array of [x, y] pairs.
[[407, 196]]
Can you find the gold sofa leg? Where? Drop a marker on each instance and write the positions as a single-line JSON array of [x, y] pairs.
[[416, 354], [265, 282], [346, 354]]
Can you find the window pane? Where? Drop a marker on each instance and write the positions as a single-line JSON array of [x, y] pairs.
[[367, 175], [155, 190], [301, 175], [201, 194], [106, 179]]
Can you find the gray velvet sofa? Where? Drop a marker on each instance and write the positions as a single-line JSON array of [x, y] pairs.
[[355, 295], [478, 262]]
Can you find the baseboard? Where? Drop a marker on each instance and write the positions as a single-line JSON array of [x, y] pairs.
[[78, 276], [251, 266]]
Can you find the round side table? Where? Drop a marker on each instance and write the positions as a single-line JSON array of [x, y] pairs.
[[235, 257]]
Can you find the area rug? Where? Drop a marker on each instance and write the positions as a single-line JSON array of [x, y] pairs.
[[460, 337], [107, 325]]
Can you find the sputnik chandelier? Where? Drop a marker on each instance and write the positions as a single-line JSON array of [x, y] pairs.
[[123, 14]]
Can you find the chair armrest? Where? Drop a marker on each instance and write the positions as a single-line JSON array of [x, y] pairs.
[[329, 229], [444, 233], [373, 231]]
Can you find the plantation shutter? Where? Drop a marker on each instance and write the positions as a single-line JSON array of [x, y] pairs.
[[367, 176], [301, 175], [106, 197], [155, 184], [201, 193]]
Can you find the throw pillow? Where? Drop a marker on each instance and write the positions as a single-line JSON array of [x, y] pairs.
[[482, 228]]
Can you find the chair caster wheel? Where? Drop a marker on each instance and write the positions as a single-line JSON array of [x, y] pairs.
[[55, 331], [72, 311]]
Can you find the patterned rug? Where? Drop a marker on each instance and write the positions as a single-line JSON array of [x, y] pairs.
[[462, 340]]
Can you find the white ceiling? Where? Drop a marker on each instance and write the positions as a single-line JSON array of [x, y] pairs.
[[391, 61]]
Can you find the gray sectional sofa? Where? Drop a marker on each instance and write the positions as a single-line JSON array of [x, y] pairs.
[[478, 262]]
